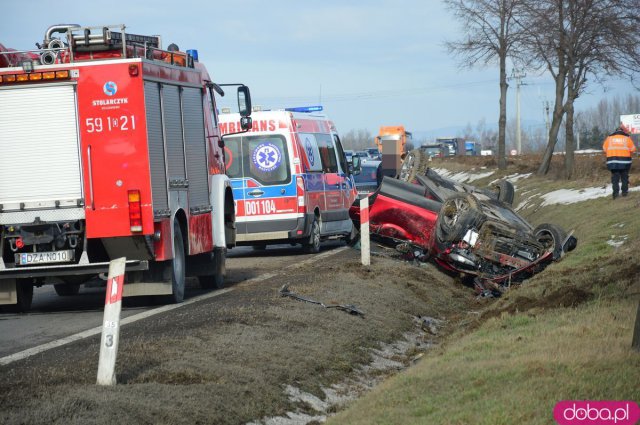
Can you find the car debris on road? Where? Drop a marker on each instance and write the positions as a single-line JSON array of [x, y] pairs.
[[349, 308]]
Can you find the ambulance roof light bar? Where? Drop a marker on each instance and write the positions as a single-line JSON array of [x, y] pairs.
[[317, 108]]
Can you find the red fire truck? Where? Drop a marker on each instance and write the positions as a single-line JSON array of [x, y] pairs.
[[109, 147]]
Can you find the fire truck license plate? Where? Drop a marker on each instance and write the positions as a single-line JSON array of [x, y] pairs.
[[34, 258]]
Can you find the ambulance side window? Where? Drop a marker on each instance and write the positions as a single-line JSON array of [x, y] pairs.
[[341, 156], [327, 153]]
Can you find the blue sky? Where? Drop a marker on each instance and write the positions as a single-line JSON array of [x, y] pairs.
[[369, 63]]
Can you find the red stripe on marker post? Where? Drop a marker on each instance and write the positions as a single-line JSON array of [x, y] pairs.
[[114, 289]]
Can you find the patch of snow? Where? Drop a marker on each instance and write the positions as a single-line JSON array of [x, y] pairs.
[[571, 196], [618, 241], [462, 177]]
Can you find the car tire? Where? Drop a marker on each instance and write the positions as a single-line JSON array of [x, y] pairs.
[[259, 247], [551, 237], [312, 245], [505, 191], [415, 164], [457, 215]]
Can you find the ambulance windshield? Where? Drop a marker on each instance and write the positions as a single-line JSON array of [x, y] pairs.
[[261, 158]]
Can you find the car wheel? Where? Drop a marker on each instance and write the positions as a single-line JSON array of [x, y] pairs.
[[505, 191], [312, 245], [551, 237], [415, 164], [457, 215], [177, 266]]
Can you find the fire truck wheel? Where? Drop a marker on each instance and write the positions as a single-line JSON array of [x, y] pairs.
[[66, 289], [24, 289], [177, 266], [312, 245], [216, 280]]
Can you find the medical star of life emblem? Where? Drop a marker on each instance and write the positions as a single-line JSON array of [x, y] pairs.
[[267, 157]]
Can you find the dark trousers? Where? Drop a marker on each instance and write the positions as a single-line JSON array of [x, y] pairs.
[[618, 176]]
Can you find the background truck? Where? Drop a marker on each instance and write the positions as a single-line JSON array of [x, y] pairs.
[[453, 145], [109, 147], [392, 144]]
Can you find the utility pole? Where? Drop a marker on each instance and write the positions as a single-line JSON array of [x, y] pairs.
[[518, 75], [546, 118]]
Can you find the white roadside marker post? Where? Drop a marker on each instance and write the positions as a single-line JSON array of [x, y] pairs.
[[111, 323], [365, 247]]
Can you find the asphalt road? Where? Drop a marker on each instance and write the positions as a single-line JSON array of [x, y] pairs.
[[53, 317]]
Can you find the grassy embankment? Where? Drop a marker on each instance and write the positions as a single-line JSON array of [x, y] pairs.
[[565, 334]]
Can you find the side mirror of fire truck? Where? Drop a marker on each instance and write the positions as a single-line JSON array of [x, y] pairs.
[[244, 106], [244, 101]]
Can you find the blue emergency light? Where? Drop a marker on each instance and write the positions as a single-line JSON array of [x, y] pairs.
[[194, 54], [317, 108]]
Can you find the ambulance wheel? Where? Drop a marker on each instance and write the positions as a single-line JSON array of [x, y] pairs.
[[177, 266], [24, 292], [66, 289], [216, 280], [312, 245]]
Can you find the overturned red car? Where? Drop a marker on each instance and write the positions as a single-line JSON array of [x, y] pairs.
[[464, 229]]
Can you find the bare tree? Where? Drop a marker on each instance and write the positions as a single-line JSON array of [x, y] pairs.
[[576, 40], [491, 34], [358, 139]]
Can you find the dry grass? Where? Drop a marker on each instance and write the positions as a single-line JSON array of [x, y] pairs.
[[513, 370]]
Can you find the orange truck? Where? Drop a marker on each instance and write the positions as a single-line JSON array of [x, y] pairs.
[[392, 144]]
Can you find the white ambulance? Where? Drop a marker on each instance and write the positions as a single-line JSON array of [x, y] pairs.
[[290, 178]]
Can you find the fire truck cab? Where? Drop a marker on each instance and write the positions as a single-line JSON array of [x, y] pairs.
[[110, 147], [291, 179]]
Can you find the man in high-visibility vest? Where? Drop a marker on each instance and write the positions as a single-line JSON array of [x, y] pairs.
[[619, 147]]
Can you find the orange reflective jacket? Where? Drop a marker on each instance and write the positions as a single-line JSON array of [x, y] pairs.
[[618, 145]]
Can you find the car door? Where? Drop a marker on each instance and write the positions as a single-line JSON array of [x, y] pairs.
[[347, 187], [334, 179]]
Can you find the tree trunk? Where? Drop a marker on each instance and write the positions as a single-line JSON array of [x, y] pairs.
[[502, 121], [553, 138], [570, 142], [556, 120]]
